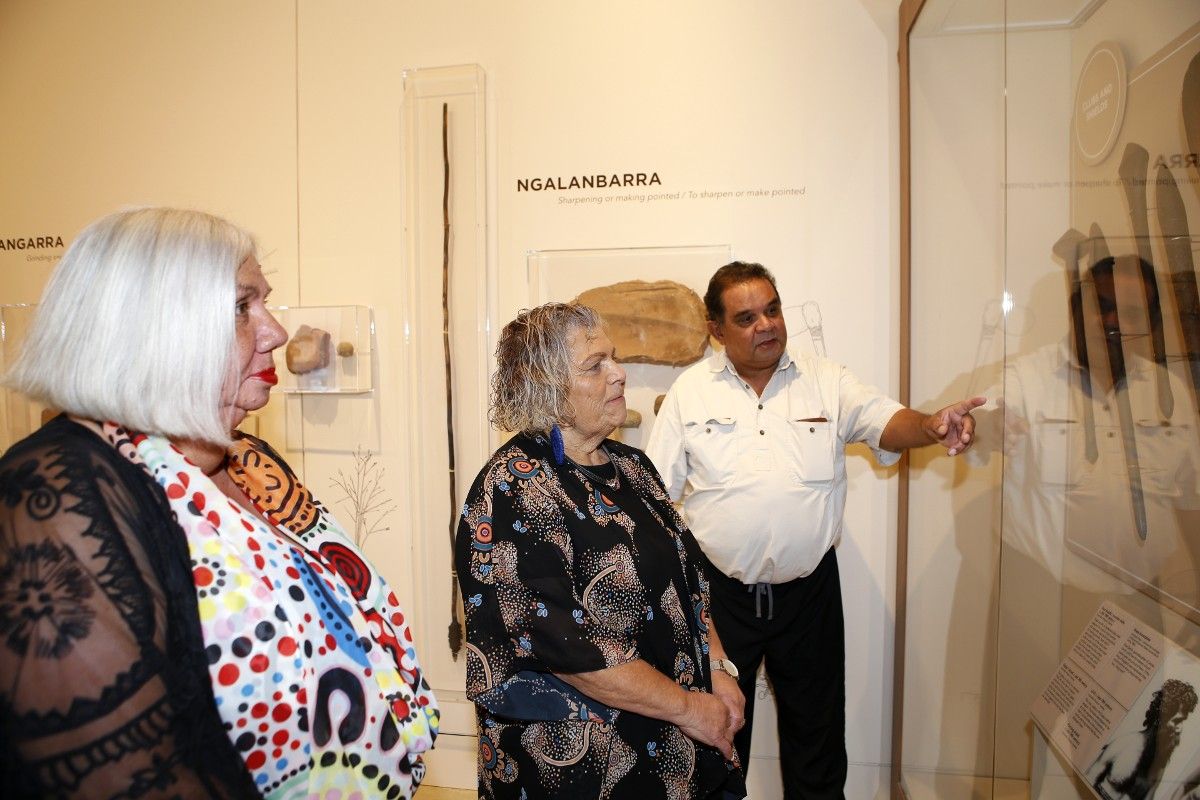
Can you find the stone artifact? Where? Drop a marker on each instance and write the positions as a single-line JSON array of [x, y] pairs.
[[345, 349], [632, 419], [309, 349], [652, 323]]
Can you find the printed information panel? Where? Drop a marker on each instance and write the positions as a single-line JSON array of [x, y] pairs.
[[1120, 708]]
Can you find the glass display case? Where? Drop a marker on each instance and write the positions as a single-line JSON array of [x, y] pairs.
[[328, 349], [1050, 221], [19, 415]]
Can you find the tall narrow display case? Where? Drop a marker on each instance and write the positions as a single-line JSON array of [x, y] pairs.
[[1050, 236]]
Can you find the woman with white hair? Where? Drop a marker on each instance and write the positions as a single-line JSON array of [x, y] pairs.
[[178, 615]]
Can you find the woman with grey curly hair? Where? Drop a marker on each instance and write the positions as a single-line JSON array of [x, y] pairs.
[[591, 659]]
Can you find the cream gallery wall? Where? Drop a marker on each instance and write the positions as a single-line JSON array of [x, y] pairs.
[[765, 131]]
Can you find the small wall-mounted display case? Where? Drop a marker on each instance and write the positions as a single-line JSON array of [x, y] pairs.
[[328, 350], [19, 416]]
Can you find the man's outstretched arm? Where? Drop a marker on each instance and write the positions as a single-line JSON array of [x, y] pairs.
[[952, 427]]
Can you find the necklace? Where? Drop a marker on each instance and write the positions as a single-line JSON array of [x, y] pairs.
[[614, 482]]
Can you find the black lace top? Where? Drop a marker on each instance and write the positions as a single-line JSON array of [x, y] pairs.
[[104, 687]]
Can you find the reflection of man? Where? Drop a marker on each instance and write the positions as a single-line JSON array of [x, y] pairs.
[[1131, 766], [756, 437], [1069, 450]]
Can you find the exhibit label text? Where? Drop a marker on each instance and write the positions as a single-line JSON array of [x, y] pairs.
[[588, 181], [31, 243]]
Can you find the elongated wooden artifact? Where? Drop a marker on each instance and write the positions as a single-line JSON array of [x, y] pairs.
[[1134, 169], [455, 632], [1067, 248], [1177, 242]]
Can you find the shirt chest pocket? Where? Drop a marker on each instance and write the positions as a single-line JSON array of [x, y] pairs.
[[1164, 452], [814, 442], [713, 447]]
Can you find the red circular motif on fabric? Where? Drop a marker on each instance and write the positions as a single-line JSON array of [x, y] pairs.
[[280, 713], [259, 663], [256, 759], [202, 576], [293, 573], [228, 675], [330, 642], [287, 645], [259, 710], [175, 491], [279, 738], [198, 500], [260, 562], [215, 519], [348, 564]]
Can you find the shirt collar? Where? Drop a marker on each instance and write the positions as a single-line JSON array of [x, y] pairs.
[[1136, 366], [720, 363]]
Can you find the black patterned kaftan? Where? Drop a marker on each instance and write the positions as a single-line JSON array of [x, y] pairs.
[[562, 573]]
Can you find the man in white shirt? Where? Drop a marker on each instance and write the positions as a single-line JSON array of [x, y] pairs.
[[752, 440]]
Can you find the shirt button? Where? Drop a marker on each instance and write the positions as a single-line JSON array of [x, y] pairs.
[[708, 430], [1111, 434], [760, 406], [762, 433], [812, 430]]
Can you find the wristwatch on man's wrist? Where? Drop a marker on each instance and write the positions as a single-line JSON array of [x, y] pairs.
[[724, 665]]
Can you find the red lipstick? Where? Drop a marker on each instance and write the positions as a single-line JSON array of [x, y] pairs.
[[268, 376]]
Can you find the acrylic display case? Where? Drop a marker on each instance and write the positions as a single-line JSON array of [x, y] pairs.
[[328, 350], [1050, 195], [19, 416]]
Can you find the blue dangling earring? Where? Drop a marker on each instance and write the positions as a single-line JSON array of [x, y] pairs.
[[556, 444]]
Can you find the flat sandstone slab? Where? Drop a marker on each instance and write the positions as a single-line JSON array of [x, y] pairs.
[[651, 323]]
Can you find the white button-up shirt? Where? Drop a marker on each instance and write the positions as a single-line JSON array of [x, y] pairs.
[[763, 479]]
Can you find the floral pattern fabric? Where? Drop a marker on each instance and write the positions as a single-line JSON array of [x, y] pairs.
[[311, 660], [564, 573]]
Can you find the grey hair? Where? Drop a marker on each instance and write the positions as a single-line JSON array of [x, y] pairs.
[[532, 384], [136, 325]]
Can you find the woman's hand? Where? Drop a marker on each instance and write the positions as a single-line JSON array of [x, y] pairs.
[[707, 720], [726, 689], [636, 686]]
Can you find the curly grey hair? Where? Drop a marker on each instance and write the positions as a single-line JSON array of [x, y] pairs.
[[533, 367]]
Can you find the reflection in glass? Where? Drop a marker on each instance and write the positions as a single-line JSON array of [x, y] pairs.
[[1055, 234]]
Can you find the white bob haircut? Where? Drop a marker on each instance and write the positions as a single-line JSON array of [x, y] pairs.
[[136, 325]]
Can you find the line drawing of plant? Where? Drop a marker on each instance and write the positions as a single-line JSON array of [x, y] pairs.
[[364, 495]]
